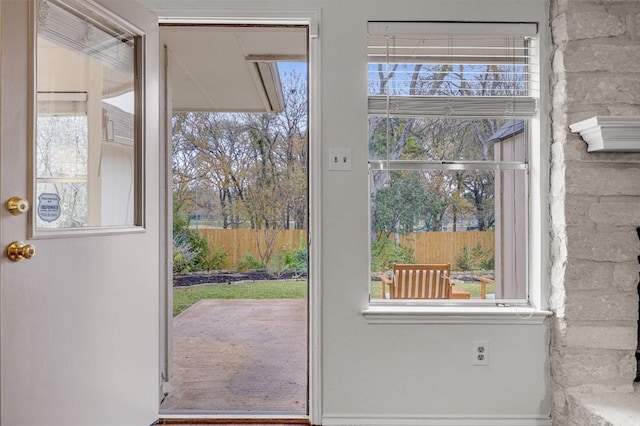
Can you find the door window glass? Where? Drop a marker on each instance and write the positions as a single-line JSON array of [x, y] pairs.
[[86, 127]]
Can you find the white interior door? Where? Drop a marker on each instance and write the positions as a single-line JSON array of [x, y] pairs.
[[79, 321]]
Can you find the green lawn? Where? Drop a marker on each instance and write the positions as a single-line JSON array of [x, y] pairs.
[[472, 287], [185, 297]]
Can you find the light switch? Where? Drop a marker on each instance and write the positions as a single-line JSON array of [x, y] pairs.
[[340, 159]]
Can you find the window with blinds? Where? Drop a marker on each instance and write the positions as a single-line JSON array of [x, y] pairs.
[[450, 108]]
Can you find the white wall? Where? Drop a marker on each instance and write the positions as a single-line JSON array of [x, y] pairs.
[[395, 374], [377, 372], [394, 371]]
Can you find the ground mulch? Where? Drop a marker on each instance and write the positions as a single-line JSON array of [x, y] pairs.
[[229, 277]]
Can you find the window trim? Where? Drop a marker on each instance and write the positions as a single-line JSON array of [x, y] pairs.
[[497, 313], [501, 311]]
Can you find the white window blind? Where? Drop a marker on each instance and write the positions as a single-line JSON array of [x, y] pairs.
[[436, 106], [482, 29], [78, 31], [452, 69]]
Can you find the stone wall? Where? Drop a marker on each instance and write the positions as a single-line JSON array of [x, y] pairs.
[[595, 205]]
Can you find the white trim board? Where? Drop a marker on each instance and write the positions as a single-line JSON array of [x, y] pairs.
[[437, 420], [516, 315]]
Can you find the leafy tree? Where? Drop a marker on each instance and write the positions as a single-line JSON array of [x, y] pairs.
[[404, 206]]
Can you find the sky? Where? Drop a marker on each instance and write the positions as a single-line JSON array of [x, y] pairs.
[[287, 66]]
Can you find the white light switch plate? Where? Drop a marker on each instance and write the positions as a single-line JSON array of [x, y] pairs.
[[340, 159]]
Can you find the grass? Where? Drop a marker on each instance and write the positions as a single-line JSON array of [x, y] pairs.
[[474, 288], [185, 297]]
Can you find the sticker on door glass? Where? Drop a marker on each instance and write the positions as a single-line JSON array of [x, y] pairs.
[[48, 206]]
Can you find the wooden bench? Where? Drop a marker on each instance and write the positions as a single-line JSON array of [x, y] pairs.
[[421, 281], [483, 286], [459, 293]]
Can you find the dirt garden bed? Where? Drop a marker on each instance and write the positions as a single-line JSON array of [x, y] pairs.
[[229, 277]]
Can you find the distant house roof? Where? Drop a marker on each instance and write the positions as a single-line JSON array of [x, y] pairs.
[[508, 129], [122, 126]]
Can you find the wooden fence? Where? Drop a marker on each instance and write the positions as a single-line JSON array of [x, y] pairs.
[[428, 247], [445, 247], [237, 242]]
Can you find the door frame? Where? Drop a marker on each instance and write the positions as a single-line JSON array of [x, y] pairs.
[[311, 19]]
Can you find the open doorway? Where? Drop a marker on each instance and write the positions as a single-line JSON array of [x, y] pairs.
[[239, 335]]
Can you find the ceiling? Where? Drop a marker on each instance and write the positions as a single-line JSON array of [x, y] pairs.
[[230, 68]]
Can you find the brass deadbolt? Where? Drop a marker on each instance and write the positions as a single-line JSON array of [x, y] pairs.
[[17, 250], [17, 205]]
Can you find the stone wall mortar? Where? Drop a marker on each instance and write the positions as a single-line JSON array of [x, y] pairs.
[[559, 261]]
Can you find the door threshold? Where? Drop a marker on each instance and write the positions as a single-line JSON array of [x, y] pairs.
[[227, 419], [233, 422]]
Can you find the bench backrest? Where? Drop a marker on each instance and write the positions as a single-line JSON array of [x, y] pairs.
[[420, 281]]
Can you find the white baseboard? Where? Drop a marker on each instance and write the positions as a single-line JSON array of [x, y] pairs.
[[442, 420]]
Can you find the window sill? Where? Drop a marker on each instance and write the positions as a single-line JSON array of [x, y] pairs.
[[413, 314]]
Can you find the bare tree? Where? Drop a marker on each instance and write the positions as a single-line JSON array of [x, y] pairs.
[[255, 163]]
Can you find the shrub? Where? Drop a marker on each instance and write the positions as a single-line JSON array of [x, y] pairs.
[[183, 255], [277, 265], [385, 253], [248, 262], [488, 264], [190, 252], [200, 249], [474, 258], [288, 260], [216, 259], [300, 259], [296, 259], [190, 249]]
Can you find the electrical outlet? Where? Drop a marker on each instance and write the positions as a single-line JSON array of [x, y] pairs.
[[340, 159], [480, 352]]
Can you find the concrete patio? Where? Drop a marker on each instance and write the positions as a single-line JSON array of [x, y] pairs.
[[239, 356]]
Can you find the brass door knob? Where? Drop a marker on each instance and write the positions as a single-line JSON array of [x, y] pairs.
[[17, 205], [18, 250]]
